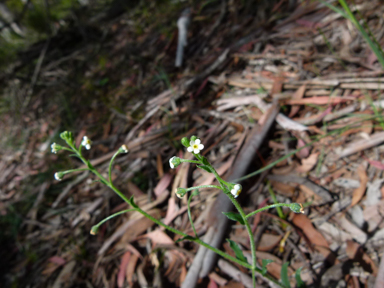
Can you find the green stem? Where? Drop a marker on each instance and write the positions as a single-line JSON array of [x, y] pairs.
[[250, 234], [266, 208], [190, 215], [110, 166], [189, 161], [223, 183], [196, 240], [272, 193], [203, 186], [96, 227]]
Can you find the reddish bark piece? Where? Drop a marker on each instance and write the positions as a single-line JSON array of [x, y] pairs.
[[375, 163], [308, 163], [268, 242], [321, 100], [212, 284], [57, 260], [297, 95], [123, 268], [359, 192], [303, 153], [316, 238], [158, 237], [163, 184]]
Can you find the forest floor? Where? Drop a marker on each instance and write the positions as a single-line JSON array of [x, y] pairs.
[[114, 81]]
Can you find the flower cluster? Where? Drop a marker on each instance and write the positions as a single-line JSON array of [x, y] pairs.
[[55, 148], [194, 146]]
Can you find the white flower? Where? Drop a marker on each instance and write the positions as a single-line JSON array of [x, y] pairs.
[[170, 162], [86, 142], [236, 190], [58, 176], [55, 148], [195, 147]]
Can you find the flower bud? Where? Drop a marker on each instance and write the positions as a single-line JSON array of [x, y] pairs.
[[297, 207], [185, 141], [67, 137], [174, 162], [94, 230], [123, 149], [180, 192], [59, 176]]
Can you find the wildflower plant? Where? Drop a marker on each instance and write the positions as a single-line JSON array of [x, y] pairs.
[[232, 190]]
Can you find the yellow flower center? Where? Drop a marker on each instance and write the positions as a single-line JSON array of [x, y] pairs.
[[195, 146]]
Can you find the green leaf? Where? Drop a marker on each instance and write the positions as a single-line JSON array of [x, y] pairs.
[[206, 168], [299, 281], [132, 202], [284, 275], [235, 217], [238, 252], [205, 161], [188, 238], [265, 262]]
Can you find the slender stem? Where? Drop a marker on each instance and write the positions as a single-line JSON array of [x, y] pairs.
[[250, 234], [102, 179], [272, 193], [75, 170], [203, 186], [110, 166], [190, 215], [112, 216], [196, 240], [266, 208], [221, 181], [189, 161]]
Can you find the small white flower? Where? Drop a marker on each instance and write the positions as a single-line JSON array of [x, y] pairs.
[[124, 148], [170, 162], [86, 142], [58, 176], [55, 148], [236, 190], [195, 146]]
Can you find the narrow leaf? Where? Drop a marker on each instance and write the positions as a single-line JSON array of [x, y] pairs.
[[265, 262], [205, 161], [238, 252], [189, 238], [284, 275], [299, 281], [132, 202], [234, 217], [206, 168]]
